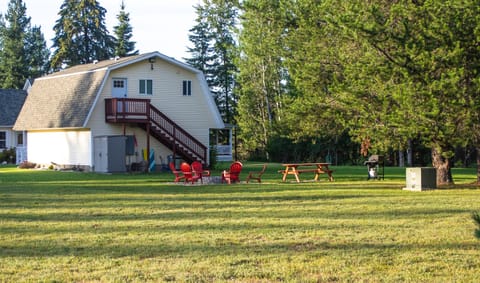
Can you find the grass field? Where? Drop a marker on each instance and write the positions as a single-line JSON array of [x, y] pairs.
[[85, 227]]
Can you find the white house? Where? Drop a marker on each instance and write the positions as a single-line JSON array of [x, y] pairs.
[[84, 115]]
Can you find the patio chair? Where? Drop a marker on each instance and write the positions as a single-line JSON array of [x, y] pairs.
[[175, 172], [233, 175], [198, 170], [188, 173], [257, 175]]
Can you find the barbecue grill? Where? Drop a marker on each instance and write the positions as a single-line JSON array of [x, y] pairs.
[[375, 167]]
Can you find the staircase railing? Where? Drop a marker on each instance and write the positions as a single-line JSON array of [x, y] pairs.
[[179, 135], [130, 110]]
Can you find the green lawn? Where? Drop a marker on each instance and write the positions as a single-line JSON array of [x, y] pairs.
[[85, 227]]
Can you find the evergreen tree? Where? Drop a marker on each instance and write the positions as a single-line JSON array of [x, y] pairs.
[[14, 65], [202, 39], [418, 68], [37, 53], [123, 33], [220, 17], [80, 34]]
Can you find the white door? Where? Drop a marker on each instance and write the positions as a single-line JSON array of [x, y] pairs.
[[119, 90]]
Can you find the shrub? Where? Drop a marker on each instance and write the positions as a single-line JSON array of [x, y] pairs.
[[27, 165], [8, 155]]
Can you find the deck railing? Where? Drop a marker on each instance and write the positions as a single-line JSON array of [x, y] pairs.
[[127, 110]]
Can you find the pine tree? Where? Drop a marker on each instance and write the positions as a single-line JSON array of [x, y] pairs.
[[14, 67], [218, 31], [202, 39], [80, 34], [123, 33], [37, 53]]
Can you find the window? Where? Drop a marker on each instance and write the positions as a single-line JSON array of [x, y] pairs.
[[187, 88], [3, 139], [20, 139], [146, 87], [118, 83]]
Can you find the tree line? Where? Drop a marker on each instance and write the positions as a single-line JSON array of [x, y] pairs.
[[80, 37], [312, 79], [303, 79]]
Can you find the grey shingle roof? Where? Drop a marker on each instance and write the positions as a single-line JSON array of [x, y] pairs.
[[11, 102], [65, 98]]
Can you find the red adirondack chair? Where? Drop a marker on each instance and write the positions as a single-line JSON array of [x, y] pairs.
[[198, 170], [233, 175], [175, 172], [188, 173]]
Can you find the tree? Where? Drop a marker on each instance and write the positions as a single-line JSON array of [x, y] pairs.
[[262, 79], [37, 53], [80, 34], [14, 68], [217, 32], [202, 53], [123, 34], [419, 61]]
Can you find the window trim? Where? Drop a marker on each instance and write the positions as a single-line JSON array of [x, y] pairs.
[[145, 86], [187, 88]]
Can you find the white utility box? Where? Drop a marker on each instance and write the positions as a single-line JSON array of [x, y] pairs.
[[421, 179]]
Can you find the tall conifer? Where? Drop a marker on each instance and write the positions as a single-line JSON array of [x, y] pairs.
[[13, 67], [81, 35], [123, 34]]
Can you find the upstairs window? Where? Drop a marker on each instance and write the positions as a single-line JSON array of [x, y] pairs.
[[187, 88], [146, 87]]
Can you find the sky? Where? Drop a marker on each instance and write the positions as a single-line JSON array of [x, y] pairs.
[[158, 25]]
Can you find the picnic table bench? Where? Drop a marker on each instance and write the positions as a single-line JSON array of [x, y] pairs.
[[317, 168]]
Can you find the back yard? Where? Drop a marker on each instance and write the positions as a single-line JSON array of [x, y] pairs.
[[84, 227]]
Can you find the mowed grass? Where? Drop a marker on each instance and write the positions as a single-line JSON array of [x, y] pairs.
[[86, 227]]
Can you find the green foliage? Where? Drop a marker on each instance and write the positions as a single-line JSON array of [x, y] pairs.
[[8, 155], [215, 51], [81, 35], [123, 33]]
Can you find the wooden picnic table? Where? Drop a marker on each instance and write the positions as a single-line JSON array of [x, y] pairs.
[[297, 168]]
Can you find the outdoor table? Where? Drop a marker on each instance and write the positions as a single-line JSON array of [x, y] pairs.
[[317, 168]]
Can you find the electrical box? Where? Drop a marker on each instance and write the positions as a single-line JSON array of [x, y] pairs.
[[421, 179], [110, 153]]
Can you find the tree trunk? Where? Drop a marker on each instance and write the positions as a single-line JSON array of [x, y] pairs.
[[409, 153], [443, 168], [401, 158]]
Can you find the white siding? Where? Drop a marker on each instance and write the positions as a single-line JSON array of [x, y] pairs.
[[62, 147], [193, 113]]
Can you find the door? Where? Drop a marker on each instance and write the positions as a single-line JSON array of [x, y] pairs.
[[119, 90]]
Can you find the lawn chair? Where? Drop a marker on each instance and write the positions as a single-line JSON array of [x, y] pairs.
[[175, 172], [188, 173], [197, 169], [233, 175], [257, 175]]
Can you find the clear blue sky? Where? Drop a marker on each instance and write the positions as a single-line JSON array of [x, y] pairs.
[[158, 25]]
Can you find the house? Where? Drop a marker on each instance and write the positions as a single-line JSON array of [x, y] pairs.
[[109, 115], [11, 101]]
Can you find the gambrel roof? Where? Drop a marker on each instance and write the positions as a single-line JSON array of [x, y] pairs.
[[65, 99], [11, 101]]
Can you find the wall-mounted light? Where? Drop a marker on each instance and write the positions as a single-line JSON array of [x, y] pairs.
[[151, 60]]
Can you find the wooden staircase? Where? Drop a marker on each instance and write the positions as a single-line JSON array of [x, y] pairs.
[[157, 124]]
